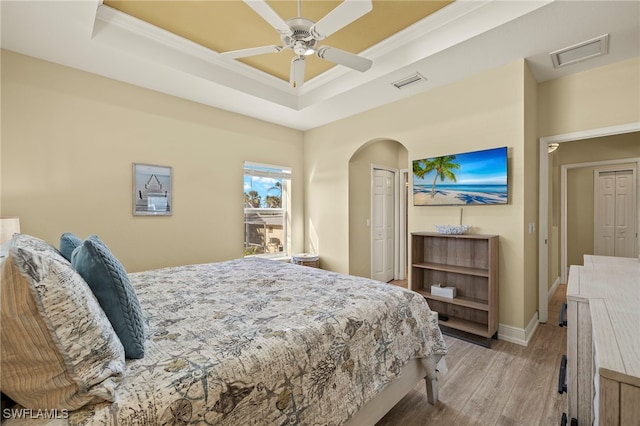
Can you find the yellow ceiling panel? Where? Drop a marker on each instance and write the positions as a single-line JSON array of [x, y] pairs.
[[231, 25]]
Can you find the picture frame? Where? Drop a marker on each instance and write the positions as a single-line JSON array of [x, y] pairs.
[[152, 190]]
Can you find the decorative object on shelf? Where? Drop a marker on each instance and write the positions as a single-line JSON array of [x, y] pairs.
[[306, 259], [447, 291], [152, 194], [453, 229], [9, 226]]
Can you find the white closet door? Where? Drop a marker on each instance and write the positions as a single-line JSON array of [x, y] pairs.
[[615, 213], [382, 223]]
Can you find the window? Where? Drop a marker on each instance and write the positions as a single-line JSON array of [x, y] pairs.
[[266, 215]]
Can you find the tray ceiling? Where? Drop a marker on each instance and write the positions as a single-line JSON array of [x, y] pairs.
[[232, 25], [458, 40]]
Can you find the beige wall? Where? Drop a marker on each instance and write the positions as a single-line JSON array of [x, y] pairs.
[[531, 167], [483, 111], [384, 153], [602, 97], [69, 139], [599, 98]]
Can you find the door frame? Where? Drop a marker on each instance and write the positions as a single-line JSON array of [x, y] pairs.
[[403, 191], [396, 219], [543, 202]]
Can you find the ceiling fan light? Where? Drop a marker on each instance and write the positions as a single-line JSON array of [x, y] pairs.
[[301, 48], [302, 35]]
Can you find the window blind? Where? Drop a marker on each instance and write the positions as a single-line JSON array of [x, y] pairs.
[[265, 170]]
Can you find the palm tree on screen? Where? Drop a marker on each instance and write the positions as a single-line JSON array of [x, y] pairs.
[[443, 167]]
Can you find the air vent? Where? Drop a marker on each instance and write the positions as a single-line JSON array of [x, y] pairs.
[[409, 81], [580, 52]]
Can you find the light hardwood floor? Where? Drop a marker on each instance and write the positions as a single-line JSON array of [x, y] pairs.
[[508, 384]]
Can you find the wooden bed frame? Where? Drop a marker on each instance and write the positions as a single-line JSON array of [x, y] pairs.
[[412, 373]]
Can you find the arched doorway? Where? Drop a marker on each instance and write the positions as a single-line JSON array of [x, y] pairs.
[[389, 159]]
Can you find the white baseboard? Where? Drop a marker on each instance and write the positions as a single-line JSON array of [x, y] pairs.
[[518, 335]]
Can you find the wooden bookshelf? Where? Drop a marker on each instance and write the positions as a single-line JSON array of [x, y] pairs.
[[470, 264]]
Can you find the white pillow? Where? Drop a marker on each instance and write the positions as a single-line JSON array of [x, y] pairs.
[[59, 350]]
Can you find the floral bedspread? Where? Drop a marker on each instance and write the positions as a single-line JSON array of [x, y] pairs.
[[260, 342]]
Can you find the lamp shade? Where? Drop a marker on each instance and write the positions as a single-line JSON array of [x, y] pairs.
[[8, 227]]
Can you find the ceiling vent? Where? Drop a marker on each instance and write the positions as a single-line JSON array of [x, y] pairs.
[[580, 52], [409, 81]]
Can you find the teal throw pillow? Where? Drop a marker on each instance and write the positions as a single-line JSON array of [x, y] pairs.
[[110, 283], [68, 243]]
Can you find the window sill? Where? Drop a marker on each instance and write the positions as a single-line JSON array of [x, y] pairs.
[[286, 259], [281, 259]]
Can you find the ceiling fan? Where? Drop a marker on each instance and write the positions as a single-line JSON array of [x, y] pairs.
[[302, 36]]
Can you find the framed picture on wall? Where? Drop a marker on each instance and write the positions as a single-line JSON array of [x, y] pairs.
[[152, 194]]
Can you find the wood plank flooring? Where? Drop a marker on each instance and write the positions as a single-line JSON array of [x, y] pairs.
[[508, 384]]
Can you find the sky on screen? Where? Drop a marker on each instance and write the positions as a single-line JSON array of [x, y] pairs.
[[486, 167]]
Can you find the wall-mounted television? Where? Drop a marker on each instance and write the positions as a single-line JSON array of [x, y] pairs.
[[477, 177]]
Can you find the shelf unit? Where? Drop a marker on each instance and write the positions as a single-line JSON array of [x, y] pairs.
[[470, 264]]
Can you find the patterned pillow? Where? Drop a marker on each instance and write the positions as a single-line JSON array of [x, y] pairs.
[[68, 243], [110, 283], [58, 348]]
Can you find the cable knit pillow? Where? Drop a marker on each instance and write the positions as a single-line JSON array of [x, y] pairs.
[[59, 350], [68, 243], [110, 283]]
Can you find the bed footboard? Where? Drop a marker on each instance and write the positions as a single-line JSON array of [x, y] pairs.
[[432, 390], [411, 375]]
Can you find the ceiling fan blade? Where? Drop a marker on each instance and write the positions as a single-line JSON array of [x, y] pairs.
[[346, 12], [252, 51], [344, 58], [297, 72], [264, 10]]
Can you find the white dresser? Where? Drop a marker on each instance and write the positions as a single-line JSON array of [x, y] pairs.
[[603, 341]]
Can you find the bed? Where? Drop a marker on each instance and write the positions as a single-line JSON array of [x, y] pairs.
[[257, 341]]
